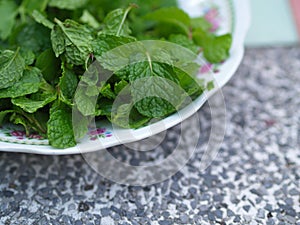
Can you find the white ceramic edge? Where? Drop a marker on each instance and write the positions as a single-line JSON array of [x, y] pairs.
[[241, 26]]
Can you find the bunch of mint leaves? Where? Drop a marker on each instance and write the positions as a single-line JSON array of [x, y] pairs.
[[47, 45]]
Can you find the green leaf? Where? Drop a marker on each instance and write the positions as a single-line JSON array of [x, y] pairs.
[[106, 42], [40, 18], [103, 107], [48, 64], [147, 69], [72, 39], [35, 101], [126, 116], [3, 114], [200, 23], [106, 91], [115, 22], [157, 97], [189, 83], [184, 41], [68, 4], [28, 84], [173, 16], [67, 85], [12, 66], [30, 5], [89, 19], [120, 86], [216, 49], [28, 57], [8, 12], [84, 103], [31, 36], [59, 126]]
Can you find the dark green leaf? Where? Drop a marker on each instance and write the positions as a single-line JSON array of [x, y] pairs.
[[67, 84], [49, 65], [12, 66], [59, 126]]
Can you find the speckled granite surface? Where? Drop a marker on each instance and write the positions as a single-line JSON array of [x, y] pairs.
[[255, 179]]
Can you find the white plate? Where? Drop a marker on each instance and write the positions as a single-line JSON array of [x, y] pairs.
[[233, 16]]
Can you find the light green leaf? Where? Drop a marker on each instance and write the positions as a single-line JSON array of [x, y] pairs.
[[84, 103], [28, 84], [30, 5], [12, 66], [173, 16], [40, 18], [8, 12], [216, 49], [68, 4], [89, 19]]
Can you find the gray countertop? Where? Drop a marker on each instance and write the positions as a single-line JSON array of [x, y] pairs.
[[255, 179]]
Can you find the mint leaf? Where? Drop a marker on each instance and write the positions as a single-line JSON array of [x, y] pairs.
[[89, 19], [28, 84], [49, 65], [216, 49], [147, 69], [59, 126], [184, 41], [28, 57], [126, 116], [72, 39], [200, 23], [29, 6], [67, 4], [119, 86], [106, 91], [3, 114], [156, 97], [67, 85], [40, 18], [173, 16], [39, 37], [115, 22], [8, 12], [35, 101], [12, 66], [106, 42], [85, 103]]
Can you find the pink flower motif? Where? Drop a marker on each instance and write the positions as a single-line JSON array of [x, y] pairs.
[[35, 136], [99, 133], [18, 133], [212, 17], [205, 68]]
